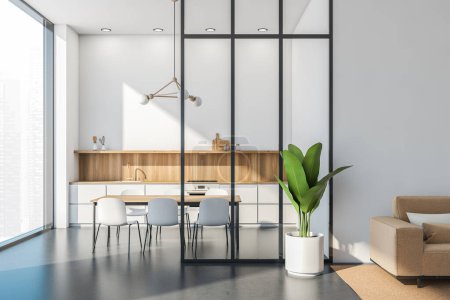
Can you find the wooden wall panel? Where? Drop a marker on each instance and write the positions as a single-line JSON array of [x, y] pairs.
[[250, 167]]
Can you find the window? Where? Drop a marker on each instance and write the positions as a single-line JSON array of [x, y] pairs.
[[25, 120]]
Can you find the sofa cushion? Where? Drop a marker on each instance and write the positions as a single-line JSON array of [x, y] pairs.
[[420, 204], [437, 233], [436, 260], [419, 219]]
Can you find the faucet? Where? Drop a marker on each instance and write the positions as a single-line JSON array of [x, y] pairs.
[[135, 174]]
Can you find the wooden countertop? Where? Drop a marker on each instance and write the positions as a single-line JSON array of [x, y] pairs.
[[171, 151], [145, 199]]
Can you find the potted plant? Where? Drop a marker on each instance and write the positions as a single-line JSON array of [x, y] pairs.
[[304, 249]]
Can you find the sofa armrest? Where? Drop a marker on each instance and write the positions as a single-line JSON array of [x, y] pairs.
[[396, 245]]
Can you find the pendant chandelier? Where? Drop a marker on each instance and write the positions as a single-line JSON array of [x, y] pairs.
[[160, 93]]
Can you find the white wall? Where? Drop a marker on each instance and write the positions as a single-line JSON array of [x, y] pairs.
[[116, 70], [66, 118], [390, 111], [308, 111]]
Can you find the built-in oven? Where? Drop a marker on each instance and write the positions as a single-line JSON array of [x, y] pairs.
[[196, 188]]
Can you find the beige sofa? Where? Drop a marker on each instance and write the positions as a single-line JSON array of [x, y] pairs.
[[398, 246]]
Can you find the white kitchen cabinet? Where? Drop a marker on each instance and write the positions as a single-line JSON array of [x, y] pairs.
[[248, 214], [268, 194], [80, 206], [267, 213], [160, 189], [248, 208], [84, 193], [289, 214], [247, 192], [80, 214], [117, 189]]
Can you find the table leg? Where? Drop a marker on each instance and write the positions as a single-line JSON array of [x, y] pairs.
[[237, 226], [93, 225]]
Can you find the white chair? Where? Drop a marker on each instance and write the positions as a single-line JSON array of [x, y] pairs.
[[112, 212], [177, 192], [216, 192], [161, 212], [212, 212], [131, 211]]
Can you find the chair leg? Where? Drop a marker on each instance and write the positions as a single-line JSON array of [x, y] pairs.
[[196, 241], [96, 237], [188, 225], [194, 229], [109, 235], [145, 240], [156, 237], [117, 232], [150, 239], [202, 232], [184, 240], [139, 232], [129, 237], [226, 233]]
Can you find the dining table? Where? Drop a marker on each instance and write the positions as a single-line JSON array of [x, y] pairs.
[[192, 201]]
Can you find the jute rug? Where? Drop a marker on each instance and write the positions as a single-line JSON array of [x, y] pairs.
[[372, 282]]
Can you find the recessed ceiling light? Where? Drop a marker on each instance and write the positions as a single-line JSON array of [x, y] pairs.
[[158, 29], [105, 29], [262, 29], [210, 29]]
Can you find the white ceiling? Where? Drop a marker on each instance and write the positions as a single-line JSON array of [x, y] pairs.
[[141, 16]]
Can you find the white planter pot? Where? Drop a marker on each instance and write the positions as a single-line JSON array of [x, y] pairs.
[[303, 256]]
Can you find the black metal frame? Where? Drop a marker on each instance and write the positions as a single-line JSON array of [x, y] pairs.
[[280, 37]]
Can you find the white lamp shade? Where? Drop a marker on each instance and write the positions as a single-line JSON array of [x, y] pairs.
[[144, 100], [198, 101], [186, 94]]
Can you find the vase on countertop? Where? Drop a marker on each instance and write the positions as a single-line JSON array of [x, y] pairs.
[[102, 142], [94, 143]]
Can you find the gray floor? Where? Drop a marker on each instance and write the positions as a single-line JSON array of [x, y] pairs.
[[59, 265]]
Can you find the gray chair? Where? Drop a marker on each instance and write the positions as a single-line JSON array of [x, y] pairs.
[[212, 212], [161, 212]]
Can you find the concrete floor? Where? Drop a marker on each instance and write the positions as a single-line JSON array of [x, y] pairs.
[[59, 265]]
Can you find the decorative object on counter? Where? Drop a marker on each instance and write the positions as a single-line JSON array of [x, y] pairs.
[[304, 249], [102, 141], [238, 141], [177, 93], [94, 143], [219, 144]]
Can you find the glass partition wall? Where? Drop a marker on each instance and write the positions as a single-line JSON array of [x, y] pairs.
[[263, 71]]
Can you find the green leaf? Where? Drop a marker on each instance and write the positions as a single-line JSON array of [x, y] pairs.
[[311, 163], [295, 175], [296, 151], [294, 202], [312, 198], [330, 175], [319, 195]]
